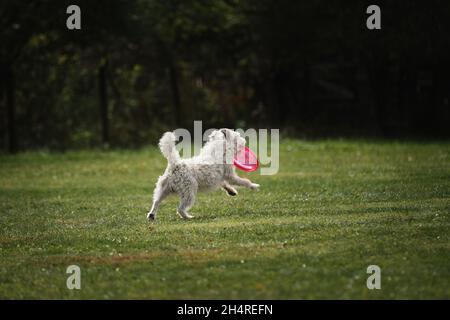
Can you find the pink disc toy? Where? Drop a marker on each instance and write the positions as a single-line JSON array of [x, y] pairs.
[[246, 160]]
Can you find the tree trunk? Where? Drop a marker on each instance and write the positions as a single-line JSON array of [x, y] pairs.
[[103, 96], [378, 74], [305, 112], [175, 93], [10, 107]]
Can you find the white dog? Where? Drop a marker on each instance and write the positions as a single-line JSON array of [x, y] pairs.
[[212, 168]]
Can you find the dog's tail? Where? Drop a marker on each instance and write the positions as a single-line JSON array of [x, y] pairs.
[[167, 147]]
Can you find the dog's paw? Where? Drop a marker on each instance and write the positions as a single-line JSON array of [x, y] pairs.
[[254, 186], [185, 215], [151, 217], [232, 193]]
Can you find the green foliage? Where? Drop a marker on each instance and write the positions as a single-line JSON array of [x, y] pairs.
[[308, 66]]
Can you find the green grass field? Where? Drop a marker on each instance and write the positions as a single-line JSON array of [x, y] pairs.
[[334, 208]]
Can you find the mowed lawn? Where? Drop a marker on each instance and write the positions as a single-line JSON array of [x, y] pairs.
[[334, 208]]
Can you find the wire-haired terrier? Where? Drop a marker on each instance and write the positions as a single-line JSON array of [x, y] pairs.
[[212, 168]]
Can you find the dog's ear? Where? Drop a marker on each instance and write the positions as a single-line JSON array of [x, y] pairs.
[[215, 135], [224, 131]]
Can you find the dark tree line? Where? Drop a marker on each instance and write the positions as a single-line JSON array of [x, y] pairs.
[[139, 67]]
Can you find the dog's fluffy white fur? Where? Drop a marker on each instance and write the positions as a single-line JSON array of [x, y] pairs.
[[211, 169]]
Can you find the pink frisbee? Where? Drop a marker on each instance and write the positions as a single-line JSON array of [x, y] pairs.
[[246, 160]]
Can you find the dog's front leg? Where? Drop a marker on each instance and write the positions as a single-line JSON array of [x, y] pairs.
[[229, 189], [236, 180]]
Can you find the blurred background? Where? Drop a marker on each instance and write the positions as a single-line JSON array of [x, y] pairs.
[[140, 67]]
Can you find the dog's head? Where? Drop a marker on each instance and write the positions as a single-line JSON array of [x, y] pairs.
[[233, 141]]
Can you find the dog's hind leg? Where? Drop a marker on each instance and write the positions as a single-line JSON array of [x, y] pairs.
[[229, 189], [161, 191], [187, 199]]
